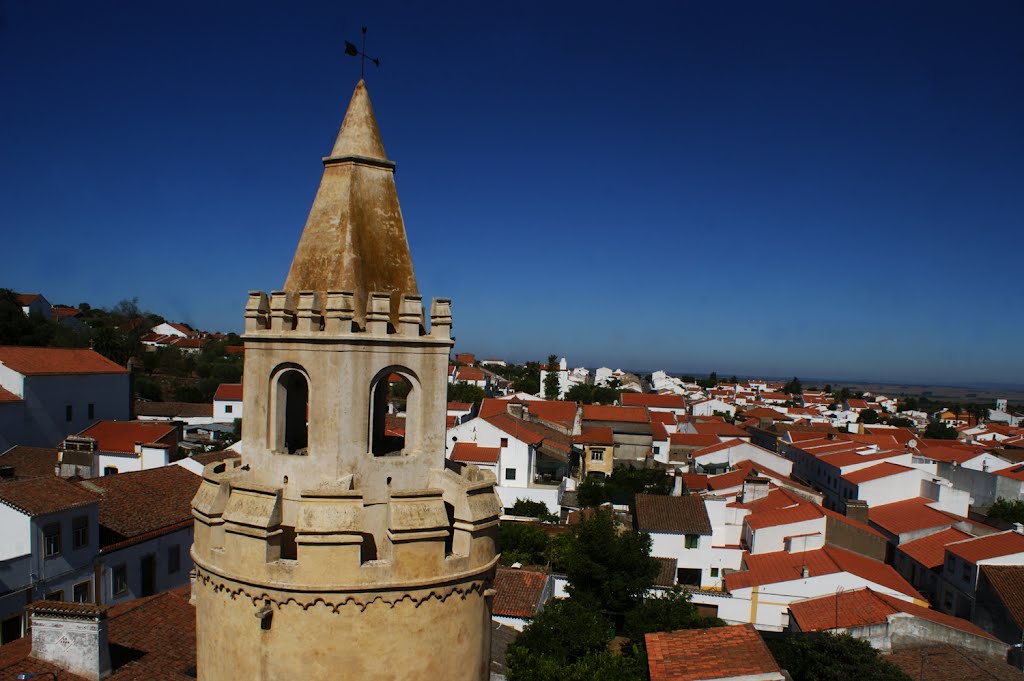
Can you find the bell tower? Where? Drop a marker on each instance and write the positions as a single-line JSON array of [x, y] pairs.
[[345, 543]]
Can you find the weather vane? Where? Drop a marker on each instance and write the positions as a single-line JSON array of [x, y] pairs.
[[354, 51]]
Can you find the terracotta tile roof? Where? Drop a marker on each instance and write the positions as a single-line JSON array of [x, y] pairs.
[[55, 361], [134, 504], [8, 396], [1008, 583], [877, 472], [780, 507], [950, 663], [910, 515], [676, 515], [781, 566], [1013, 472], [40, 496], [553, 411], [992, 546], [765, 413], [720, 429], [459, 406], [666, 571], [532, 433], [30, 462], [652, 400], [721, 446], [733, 478], [231, 392], [594, 435], [865, 607], [470, 374], [695, 481], [598, 412], [518, 592], [211, 457], [930, 551], [121, 436], [697, 440], [173, 409], [700, 654], [664, 417], [472, 453], [26, 298], [450, 421], [850, 521]]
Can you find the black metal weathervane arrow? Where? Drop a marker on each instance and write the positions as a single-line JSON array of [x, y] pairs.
[[354, 51]]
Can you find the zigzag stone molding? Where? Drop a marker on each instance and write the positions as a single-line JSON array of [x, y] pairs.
[[362, 600]]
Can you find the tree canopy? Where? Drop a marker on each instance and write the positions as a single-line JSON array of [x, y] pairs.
[[832, 657]]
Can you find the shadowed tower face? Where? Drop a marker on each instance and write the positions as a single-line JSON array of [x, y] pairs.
[[346, 543], [354, 239]]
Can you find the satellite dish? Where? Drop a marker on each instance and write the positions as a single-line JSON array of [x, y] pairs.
[[912, 443]]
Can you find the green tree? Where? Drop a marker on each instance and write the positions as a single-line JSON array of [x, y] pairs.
[[581, 392], [869, 416], [900, 422], [551, 383], [568, 641], [464, 392], [147, 388], [832, 657], [607, 567], [793, 387], [591, 492], [938, 430], [528, 508], [670, 612], [523, 543], [1008, 510]]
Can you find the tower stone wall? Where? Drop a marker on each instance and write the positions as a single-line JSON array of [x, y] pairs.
[[341, 546]]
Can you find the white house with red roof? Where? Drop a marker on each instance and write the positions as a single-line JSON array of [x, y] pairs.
[[227, 402], [171, 329], [711, 407], [114, 447], [724, 456], [763, 592], [882, 620], [48, 542], [959, 585], [34, 304], [49, 393]]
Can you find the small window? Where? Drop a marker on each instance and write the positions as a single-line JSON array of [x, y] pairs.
[[82, 592], [173, 559], [110, 470], [68, 413], [92, 411], [597, 455], [504, 442], [51, 540], [510, 473], [692, 541], [119, 579], [229, 408], [714, 572], [55, 595], [80, 532]]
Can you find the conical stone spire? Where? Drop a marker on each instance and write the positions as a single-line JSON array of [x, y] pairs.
[[354, 238]]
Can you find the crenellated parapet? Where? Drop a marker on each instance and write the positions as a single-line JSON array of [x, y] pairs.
[[311, 314], [331, 539]]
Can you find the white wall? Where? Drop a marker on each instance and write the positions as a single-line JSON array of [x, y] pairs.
[[147, 458], [131, 557], [15, 538], [227, 410], [772, 539], [891, 488], [548, 496]]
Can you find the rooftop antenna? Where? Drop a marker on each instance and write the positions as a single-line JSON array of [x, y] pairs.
[[360, 52]]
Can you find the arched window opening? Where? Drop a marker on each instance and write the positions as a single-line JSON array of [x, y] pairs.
[[390, 400], [292, 413]]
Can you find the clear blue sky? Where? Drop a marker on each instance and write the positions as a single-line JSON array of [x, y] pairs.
[[811, 188]]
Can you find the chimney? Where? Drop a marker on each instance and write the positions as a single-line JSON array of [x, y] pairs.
[[1018, 528], [72, 636], [805, 572], [857, 509], [517, 409]]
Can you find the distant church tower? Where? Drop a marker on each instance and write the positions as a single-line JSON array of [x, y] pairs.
[[341, 549]]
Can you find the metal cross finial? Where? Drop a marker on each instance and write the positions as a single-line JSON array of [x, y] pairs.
[[354, 51]]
